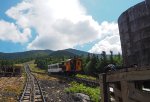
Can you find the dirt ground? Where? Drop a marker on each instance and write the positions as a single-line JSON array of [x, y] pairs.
[[10, 88]]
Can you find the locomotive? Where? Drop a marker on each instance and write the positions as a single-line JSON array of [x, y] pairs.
[[70, 66]]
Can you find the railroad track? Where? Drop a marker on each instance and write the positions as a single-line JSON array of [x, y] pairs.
[[87, 81], [79, 80], [32, 91]]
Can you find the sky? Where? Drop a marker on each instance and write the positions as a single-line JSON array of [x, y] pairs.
[[88, 25]]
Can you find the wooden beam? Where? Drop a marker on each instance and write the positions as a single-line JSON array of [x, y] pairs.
[[116, 77], [129, 76]]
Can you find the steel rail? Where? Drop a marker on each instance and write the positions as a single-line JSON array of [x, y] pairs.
[[32, 90]]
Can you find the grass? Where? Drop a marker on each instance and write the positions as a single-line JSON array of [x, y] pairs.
[[93, 93], [35, 69], [13, 86], [85, 77], [40, 73]]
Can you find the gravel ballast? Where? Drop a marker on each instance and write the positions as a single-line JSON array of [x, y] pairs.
[[55, 90]]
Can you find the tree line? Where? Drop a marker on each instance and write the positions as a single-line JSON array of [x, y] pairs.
[[94, 64], [91, 64], [9, 63]]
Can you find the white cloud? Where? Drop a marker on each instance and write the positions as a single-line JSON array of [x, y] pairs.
[[108, 29], [65, 35], [10, 32], [110, 40], [108, 44], [18, 32], [61, 24]]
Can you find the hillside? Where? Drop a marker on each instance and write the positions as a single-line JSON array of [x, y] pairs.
[[43, 53], [77, 52], [26, 54], [62, 53]]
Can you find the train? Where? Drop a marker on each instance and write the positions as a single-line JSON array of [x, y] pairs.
[[69, 67]]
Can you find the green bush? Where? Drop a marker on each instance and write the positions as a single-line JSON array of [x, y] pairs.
[[93, 93]]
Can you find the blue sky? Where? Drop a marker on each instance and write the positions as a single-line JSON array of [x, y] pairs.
[[89, 25]]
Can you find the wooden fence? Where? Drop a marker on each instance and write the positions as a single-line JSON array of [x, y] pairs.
[[126, 85], [10, 71]]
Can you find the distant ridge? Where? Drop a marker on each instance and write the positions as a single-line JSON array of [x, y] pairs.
[[77, 52], [42, 53], [61, 53], [26, 54]]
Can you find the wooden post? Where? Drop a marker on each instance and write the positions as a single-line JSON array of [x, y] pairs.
[[124, 91], [104, 89], [131, 86]]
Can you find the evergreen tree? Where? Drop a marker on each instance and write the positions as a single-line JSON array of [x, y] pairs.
[[111, 57], [88, 58], [104, 58], [118, 60], [91, 65], [102, 62]]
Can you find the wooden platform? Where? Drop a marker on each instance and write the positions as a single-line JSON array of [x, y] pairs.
[[128, 85], [6, 71]]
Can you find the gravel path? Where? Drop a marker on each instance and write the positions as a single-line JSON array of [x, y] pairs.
[[55, 90]]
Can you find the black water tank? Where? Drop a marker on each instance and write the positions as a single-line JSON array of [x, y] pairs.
[[134, 28]]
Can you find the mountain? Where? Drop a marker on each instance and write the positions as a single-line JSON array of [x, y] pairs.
[[26, 54], [69, 53], [43, 53], [77, 52], [61, 53]]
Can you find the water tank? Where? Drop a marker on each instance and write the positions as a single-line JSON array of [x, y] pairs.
[[134, 29]]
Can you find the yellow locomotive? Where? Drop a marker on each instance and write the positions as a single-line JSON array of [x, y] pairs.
[[69, 66]]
